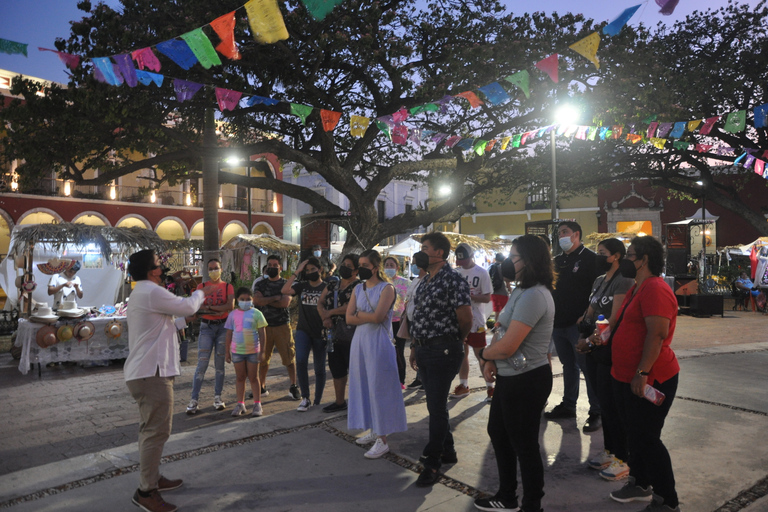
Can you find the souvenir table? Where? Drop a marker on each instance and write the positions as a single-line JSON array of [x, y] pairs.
[[99, 347]]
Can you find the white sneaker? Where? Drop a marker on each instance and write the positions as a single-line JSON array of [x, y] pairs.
[[239, 410], [257, 410], [304, 405], [192, 408], [367, 439], [218, 404], [377, 450], [602, 461]]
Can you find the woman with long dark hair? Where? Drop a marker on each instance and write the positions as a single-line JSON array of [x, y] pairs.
[[517, 361]]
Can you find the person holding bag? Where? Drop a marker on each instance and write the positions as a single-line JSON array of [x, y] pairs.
[[517, 361], [375, 397], [332, 307]]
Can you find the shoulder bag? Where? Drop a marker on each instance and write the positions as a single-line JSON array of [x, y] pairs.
[[342, 332]]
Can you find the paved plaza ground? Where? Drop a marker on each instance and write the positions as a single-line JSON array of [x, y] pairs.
[[68, 441]]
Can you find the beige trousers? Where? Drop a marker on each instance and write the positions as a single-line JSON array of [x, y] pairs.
[[154, 396]]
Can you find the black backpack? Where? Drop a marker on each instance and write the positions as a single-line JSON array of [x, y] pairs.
[[496, 279]]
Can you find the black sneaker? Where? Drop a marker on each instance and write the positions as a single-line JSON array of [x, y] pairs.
[[560, 412], [449, 457], [264, 391], [428, 477], [593, 423], [415, 384], [334, 407], [496, 504], [294, 392]]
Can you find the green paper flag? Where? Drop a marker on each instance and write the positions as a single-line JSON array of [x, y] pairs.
[[429, 107], [302, 111], [384, 127], [521, 79], [11, 47], [201, 46], [479, 146], [681, 144], [319, 9], [516, 141], [650, 119], [736, 121]]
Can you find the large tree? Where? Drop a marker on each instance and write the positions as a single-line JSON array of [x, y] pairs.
[[710, 64], [366, 57]]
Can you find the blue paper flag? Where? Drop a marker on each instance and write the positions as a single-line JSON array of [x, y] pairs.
[[761, 111], [466, 144], [495, 93], [146, 77], [107, 70], [179, 52], [125, 64], [615, 26], [678, 130], [258, 100]]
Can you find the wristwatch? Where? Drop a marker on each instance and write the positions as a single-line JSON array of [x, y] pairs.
[[641, 372]]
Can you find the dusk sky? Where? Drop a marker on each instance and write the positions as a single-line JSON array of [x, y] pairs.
[[40, 22]]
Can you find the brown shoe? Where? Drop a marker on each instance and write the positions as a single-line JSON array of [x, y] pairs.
[[153, 503], [168, 485], [460, 391]]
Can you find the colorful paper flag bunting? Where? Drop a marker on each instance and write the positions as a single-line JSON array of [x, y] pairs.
[[302, 111], [479, 146], [125, 65], [107, 70], [69, 60], [384, 128], [465, 144], [179, 52], [185, 90], [400, 134], [319, 9], [658, 142], [549, 66], [521, 79], [438, 137], [267, 25], [702, 148], [678, 130], [749, 161], [429, 107], [12, 47], [330, 119], [587, 48], [415, 135], [759, 167], [692, 125], [664, 129], [667, 6], [708, 124], [505, 142], [201, 46], [652, 129], [761, 113], [616, 25], [146, 78], [495, 93], [471, 97], [261, 100], [227, 98], [452, 141], [224, 26], [736, 121], [634, 138], [681, 145], [400, 116], [358, 125], [146, 58]]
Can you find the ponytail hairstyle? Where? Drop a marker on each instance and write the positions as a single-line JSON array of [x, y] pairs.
[[375, 258]]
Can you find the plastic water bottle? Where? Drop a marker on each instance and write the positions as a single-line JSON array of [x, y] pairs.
[[603, 329], [518, 360], [653, 395], [329, 340]]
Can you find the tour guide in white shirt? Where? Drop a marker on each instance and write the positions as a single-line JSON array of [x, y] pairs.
[[154, 316]]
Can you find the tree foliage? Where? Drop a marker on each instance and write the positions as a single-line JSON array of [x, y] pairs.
[[709, 64]]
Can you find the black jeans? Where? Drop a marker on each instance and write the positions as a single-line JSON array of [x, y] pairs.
[[649, 460], [598, 370], [513, 425], [399, 351], [438, 364]]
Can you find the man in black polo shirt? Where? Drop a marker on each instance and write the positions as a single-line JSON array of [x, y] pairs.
[[575, 275], [442, 318], [274, 306]]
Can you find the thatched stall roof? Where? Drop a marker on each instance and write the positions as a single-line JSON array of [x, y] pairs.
[[234, 250], [57, 236], [475, 242], [593, 239]]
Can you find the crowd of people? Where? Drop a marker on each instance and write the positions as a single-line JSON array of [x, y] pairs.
[[606, 314]]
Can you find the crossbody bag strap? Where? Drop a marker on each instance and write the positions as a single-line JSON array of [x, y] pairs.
[[621, 317]]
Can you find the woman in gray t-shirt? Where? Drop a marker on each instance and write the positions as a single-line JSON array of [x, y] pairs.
[[517, 361]]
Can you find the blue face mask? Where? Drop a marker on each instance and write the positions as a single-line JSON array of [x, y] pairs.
[[414, 269], [245, 305], [317, 254], [391, 272]]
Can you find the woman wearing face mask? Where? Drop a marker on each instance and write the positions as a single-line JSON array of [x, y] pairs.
[[375, 397], [332, 307], [517, 361], [608, 293], [309, 331], [641, 355], [391, 268], [213, 335]]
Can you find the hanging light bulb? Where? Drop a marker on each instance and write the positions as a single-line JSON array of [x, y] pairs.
[[274, 204], [67, 188], [15, 185], [221, 202], [188, 199], [152, 197], [112, 191]]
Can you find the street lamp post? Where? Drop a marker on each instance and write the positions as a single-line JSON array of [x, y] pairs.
[[564, 116], [703, 228]]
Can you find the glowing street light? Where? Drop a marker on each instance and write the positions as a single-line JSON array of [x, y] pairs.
[[565, 116]]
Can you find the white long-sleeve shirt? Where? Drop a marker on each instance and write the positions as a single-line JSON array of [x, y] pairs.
[[153, 346]]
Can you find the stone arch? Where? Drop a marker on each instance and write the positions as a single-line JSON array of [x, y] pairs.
[[92, 218], [171, 228], [262, 228], [231, 230], [39, 216], [133, 219], [6, 227]]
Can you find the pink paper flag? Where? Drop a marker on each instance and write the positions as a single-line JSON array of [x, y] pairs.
[[708, 124], [227, 98], [69, 60], [652, 129], [759, 166], [549, 66], [400, 134], [146, 58], [667, 6]]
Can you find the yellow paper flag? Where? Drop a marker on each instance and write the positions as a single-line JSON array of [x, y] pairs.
[[587, 48], [692, 125], [505, 142], [358, 125], [659, 143], [267, 25]]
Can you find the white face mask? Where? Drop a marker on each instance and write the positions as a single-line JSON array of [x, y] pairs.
[[391, 272], [317, 254], [245, 305], [565, 243]]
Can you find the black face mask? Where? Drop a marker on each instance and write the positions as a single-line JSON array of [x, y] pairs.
[[601, 264], [508, 269], [364, 273], [273, 272], [314, 276], [421, 260], [345, 272], [627, 269]]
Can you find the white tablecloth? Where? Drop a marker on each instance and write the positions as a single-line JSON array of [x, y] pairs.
[[99, 348]]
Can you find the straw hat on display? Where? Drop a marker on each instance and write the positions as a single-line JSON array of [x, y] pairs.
[[55, 266], [114, 329], [46, 336], [43, 314], [84, 331], [69, 309], [65, 333]]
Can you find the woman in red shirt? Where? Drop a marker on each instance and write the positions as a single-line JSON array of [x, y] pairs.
[[641, 355]]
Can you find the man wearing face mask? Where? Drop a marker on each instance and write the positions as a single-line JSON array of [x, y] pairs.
[[442, 319], [576, 272], [269, 299]]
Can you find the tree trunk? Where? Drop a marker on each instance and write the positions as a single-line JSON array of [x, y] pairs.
[[210, 193]]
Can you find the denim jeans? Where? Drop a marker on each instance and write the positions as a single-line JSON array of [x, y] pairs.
[[565, 339], [438, 364], [304, 343], [649, 461], [212, 337]]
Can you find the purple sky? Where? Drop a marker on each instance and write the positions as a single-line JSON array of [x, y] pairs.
[[40, 22]]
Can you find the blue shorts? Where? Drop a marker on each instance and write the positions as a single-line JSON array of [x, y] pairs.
[[241, 358]]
